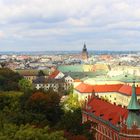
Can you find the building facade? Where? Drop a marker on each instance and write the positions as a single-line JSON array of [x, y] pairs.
[[119, 94], [114, 122]]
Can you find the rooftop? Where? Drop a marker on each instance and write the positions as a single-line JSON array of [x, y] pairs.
[[124, 89], [107, 111]]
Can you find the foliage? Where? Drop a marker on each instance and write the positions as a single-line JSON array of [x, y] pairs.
[[28, 132], [25, 116], [9, 79], [71, 121], [9, 100], [25, 85], [46, 104], [88, 129], [71, 103], [41, 73], [70, 90]]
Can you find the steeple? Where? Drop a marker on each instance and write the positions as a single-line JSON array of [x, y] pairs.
[[84, 53], [84, 48], [133, 117], [133, 104]]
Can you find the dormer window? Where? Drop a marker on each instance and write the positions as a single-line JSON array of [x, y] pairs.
[[101, 115], [119, 123], [110, 119]]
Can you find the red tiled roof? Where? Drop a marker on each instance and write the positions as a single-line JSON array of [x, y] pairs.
[[77, 80], [107, 88], [107, 110], [54, 74], [124, 89], [86, 88]]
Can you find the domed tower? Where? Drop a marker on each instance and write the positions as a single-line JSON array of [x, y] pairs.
[[84, 53]]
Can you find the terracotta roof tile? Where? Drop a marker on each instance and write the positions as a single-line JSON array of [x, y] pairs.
[[54, 74], [124, 89], [127, 90], [86, 88], [107, 111]]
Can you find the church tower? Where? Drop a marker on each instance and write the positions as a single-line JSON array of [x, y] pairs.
[[133, 107], [84, 53]]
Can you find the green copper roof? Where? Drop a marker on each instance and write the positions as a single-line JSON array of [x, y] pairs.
[[71, 68], [133, 119], [133, 104]]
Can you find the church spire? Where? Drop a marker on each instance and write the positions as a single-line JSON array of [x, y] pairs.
[[133, 104], [84, 48], [84, 53]]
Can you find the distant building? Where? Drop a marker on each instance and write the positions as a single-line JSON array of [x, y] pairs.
[[84, 53], [114, 122], [31, 74], [56, 80]]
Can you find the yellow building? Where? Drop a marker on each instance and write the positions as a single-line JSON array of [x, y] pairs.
[[118, 94]]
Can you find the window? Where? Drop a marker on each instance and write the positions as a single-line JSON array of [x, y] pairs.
[[110, 119], [101, 115]]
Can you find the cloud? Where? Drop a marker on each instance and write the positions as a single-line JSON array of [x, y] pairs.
[[65, 22]]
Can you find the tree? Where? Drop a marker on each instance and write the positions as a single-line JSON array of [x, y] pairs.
[[9, 79], [69, 90], [88, 129], [47, 104], [41, 73], [71, 121], [71, 103], [25, 85], [28, 132]]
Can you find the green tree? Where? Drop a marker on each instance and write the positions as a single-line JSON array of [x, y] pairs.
[[47, 104], [71, 103], [41, 73], [9, 79], [28, 132], [71, 121], [25, 85]]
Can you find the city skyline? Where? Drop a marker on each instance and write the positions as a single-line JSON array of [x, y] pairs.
[[49, 25]]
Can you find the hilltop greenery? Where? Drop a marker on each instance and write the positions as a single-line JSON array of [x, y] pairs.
[[30, 114]]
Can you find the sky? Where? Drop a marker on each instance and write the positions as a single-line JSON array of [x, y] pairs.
[[52, 25]]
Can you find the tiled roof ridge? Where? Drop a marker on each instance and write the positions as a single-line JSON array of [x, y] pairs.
[[107, 109], [122, 88]]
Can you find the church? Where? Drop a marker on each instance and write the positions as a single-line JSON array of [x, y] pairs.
[[84, 53], [113, 122]]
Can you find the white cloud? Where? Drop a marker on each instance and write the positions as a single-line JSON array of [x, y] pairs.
[[71, 19]]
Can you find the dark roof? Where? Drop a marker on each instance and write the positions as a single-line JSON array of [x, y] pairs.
[[51, 80], [40, 80]]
